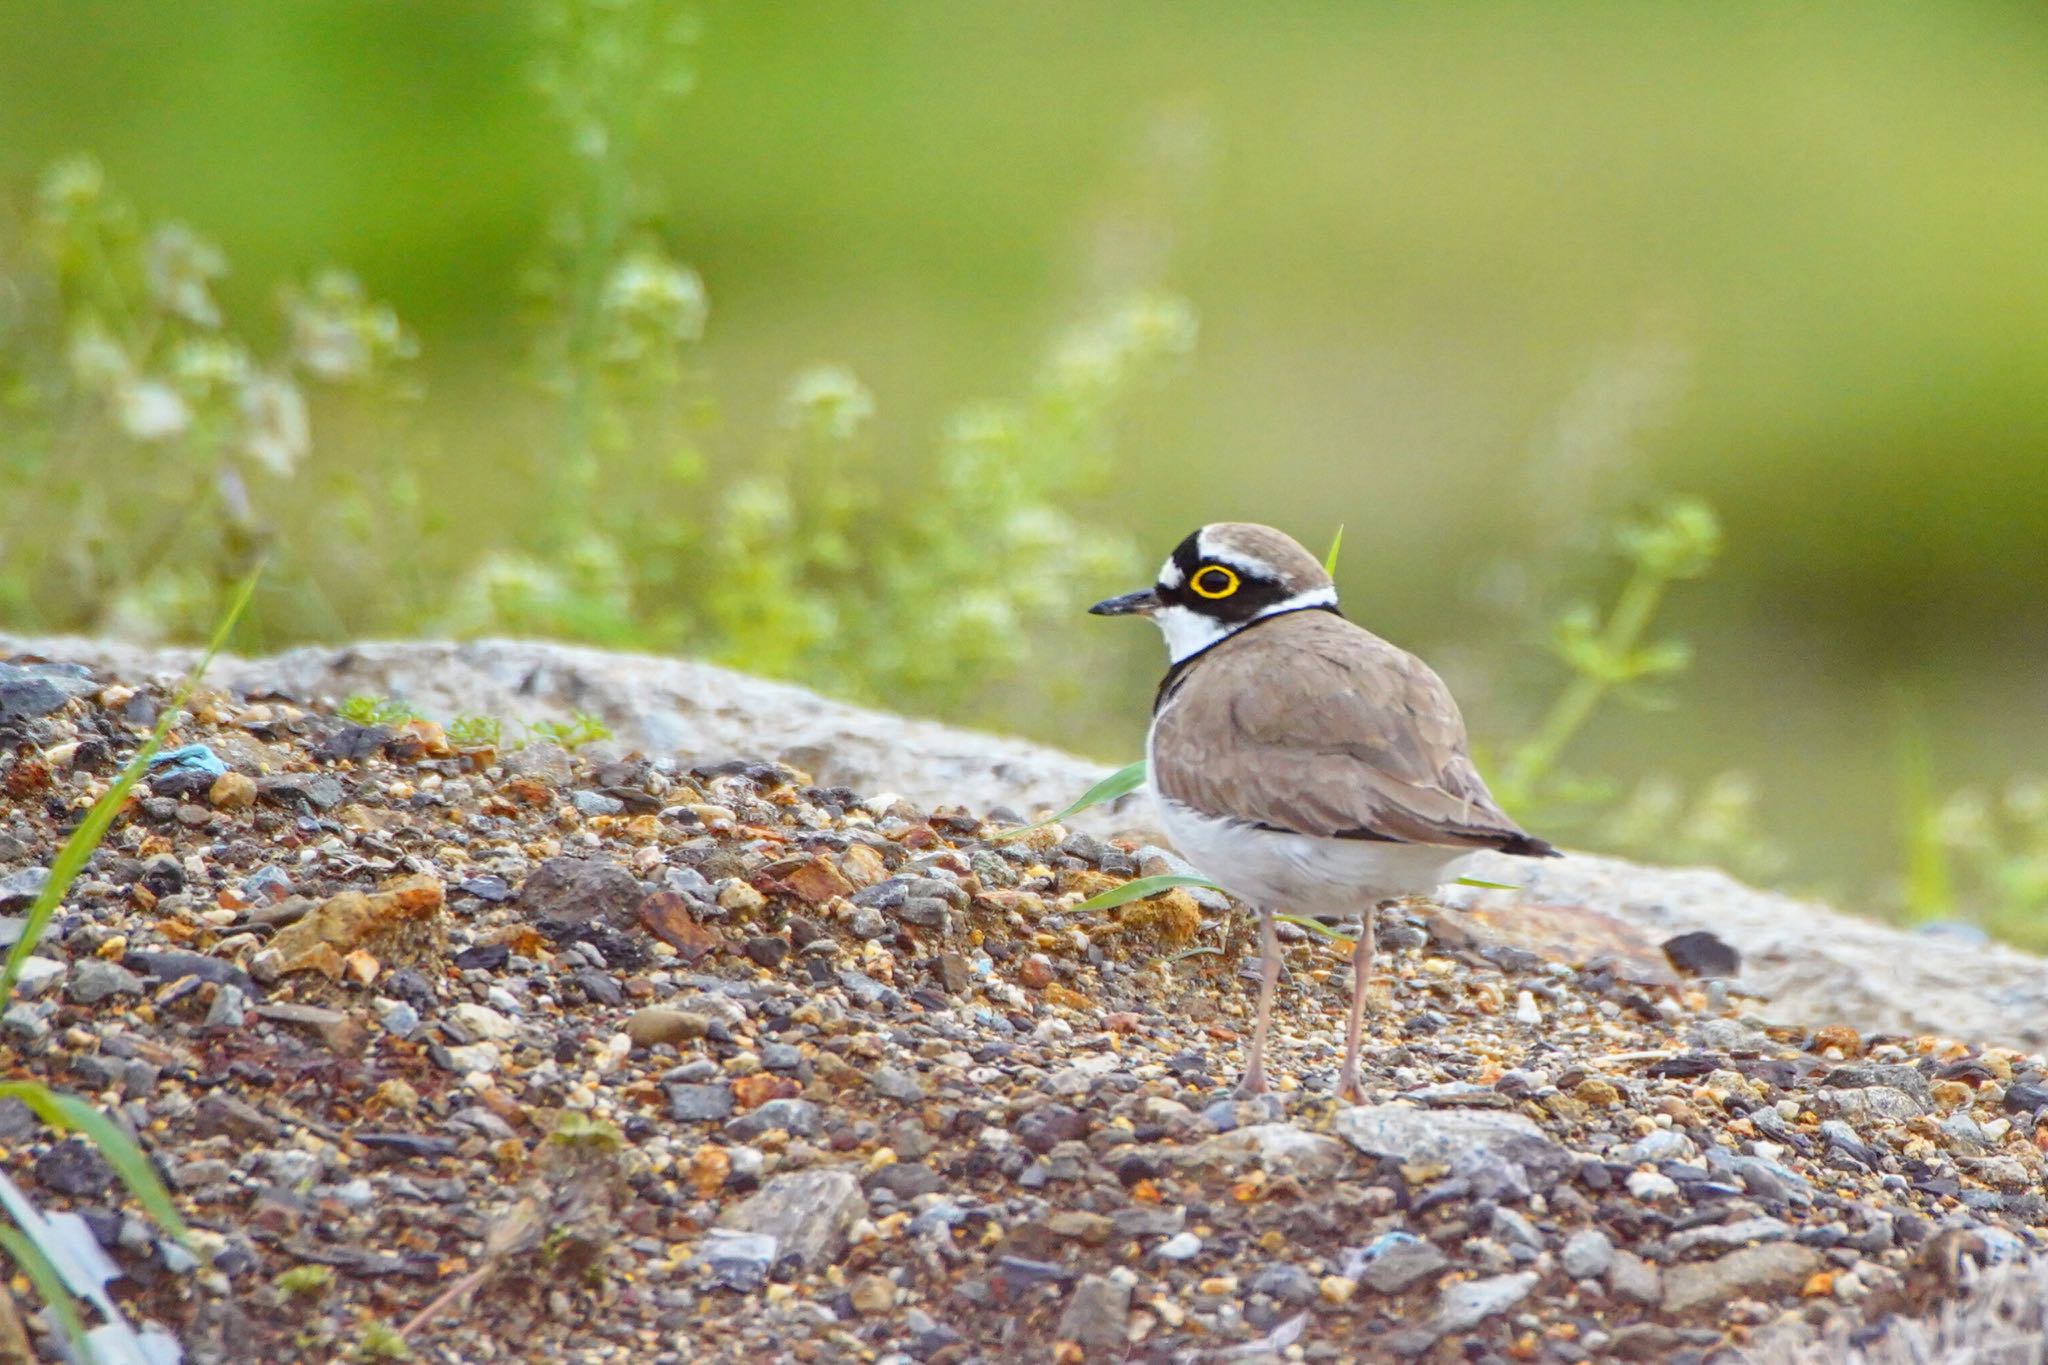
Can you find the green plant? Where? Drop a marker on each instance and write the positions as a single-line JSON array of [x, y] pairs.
[[572, 734], [476, 732], [376, 711], [36, 1243], [305, 1281]]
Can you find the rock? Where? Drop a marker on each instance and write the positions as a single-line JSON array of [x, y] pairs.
[[1587, 1253], [797, 1117], [699, 1103], [1182, 1246], [896, 1084], [1095, 1314], [74, 1167], [232, 791], [1754, 1272], [1081, 1226], [739, 1261], [1441, 1136], [1701, 953], [1722, 1236], [1864, 1075], [334, 1028], [808, 1213], [766, 950], [481, 1021], [1868, 1104], [1279, 1148], [546, 762], [1402, 1263], [319, 792], [32, 691], [400, 923], [657, 1024], [1634, 1279], [1651, 1186], [1464, 1305], [222, 1115], [95, 979], [19, 889], [1048, 1125], [564, 893], [1664, 1144], [594, 804], [872, 1294], [1287, 1283]]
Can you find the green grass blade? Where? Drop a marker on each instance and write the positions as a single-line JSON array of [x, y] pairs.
[[68, 1113], [1484, 885], [71, 858], [1122, 782], [1140, 887], [1316, 927], [50, 1287], [1336, 544]]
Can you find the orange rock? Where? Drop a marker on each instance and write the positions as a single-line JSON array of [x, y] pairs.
[[1839, 1036], [1035, 972], [399, 923], [751, 1092], [1067, 998], [818, 881], [668, 916], [709, 1166]]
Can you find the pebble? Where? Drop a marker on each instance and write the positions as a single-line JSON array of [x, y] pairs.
[[808, 1214], [1587, 1253], [93, 981]]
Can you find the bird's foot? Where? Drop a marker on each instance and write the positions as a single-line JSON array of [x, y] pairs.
[[1253, 1085], [1348, 1088]]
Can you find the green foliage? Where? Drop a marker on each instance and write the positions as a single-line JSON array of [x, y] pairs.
[[476, 732], [379, 1340], [572, 734], [377, 711], [307, 1281]]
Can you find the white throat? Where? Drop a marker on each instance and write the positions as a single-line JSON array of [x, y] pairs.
[[1189, 632]]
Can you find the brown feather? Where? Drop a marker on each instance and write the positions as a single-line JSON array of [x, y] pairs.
[[1307, 723]]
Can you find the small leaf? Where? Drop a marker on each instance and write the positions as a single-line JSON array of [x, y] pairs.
[[1317, 927], [1336, 544], [1488, 886], [1122, 782], [1139, 888]]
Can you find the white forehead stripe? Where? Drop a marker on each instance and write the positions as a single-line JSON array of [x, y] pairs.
[[1237, 559], [1169, 574]]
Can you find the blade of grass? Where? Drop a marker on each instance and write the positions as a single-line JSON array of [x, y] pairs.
[[1316, 927], [1484, 885], [70, 1114], [50, 1287], [1122, 782], [93, 828], [1336, 544], [1138, 888]]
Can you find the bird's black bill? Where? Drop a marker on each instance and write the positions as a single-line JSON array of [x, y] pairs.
[[1141, 603]]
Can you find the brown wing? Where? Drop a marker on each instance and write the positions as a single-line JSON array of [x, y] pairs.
[[1308, 723]]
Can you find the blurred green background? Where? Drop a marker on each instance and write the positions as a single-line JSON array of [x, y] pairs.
[[1474, 281]]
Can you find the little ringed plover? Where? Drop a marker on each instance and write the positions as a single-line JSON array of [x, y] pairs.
[[1298, 760]]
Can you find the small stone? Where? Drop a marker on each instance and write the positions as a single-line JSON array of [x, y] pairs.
[[657, 1024], [593, 804], [94, 980], [1701, 954], [232, 791], [1096, 1313], [868, 924], [1467, 1303], [895, 1084], [699, 1103], [1587, 1254], [74, 1167], [318, 792], [872, 1294], [808, 1213], [1403, 1263], [766, 950], [481, 1021], [797, 1117], [1440, 1136], [1755, 1272], [1634, 1279], [1650, 1186], [1279, 1148], [1182, 1246], [337, 1030]]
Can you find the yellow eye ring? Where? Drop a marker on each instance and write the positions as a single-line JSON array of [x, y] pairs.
[[1213, 581]]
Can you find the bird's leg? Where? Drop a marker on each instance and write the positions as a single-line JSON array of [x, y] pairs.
[[1361, 979], [1254, 1082]]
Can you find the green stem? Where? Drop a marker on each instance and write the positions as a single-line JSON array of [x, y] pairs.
[[1537, 758]]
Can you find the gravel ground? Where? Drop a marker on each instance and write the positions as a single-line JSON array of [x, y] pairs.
[[549, 1057]]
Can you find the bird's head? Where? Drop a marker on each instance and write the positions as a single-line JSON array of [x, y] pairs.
[[1220, 580]]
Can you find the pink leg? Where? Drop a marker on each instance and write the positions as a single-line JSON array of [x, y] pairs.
[[1361, 978], [1254, 1082]]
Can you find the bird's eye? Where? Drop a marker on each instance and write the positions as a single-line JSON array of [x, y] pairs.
[[1213, 581]]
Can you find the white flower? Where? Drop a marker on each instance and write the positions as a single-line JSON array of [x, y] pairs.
[[97, 361], [151, 410], [830, 401], [179, 265], [275, 429]]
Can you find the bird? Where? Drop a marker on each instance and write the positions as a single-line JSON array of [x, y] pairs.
[[1298, 760]]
